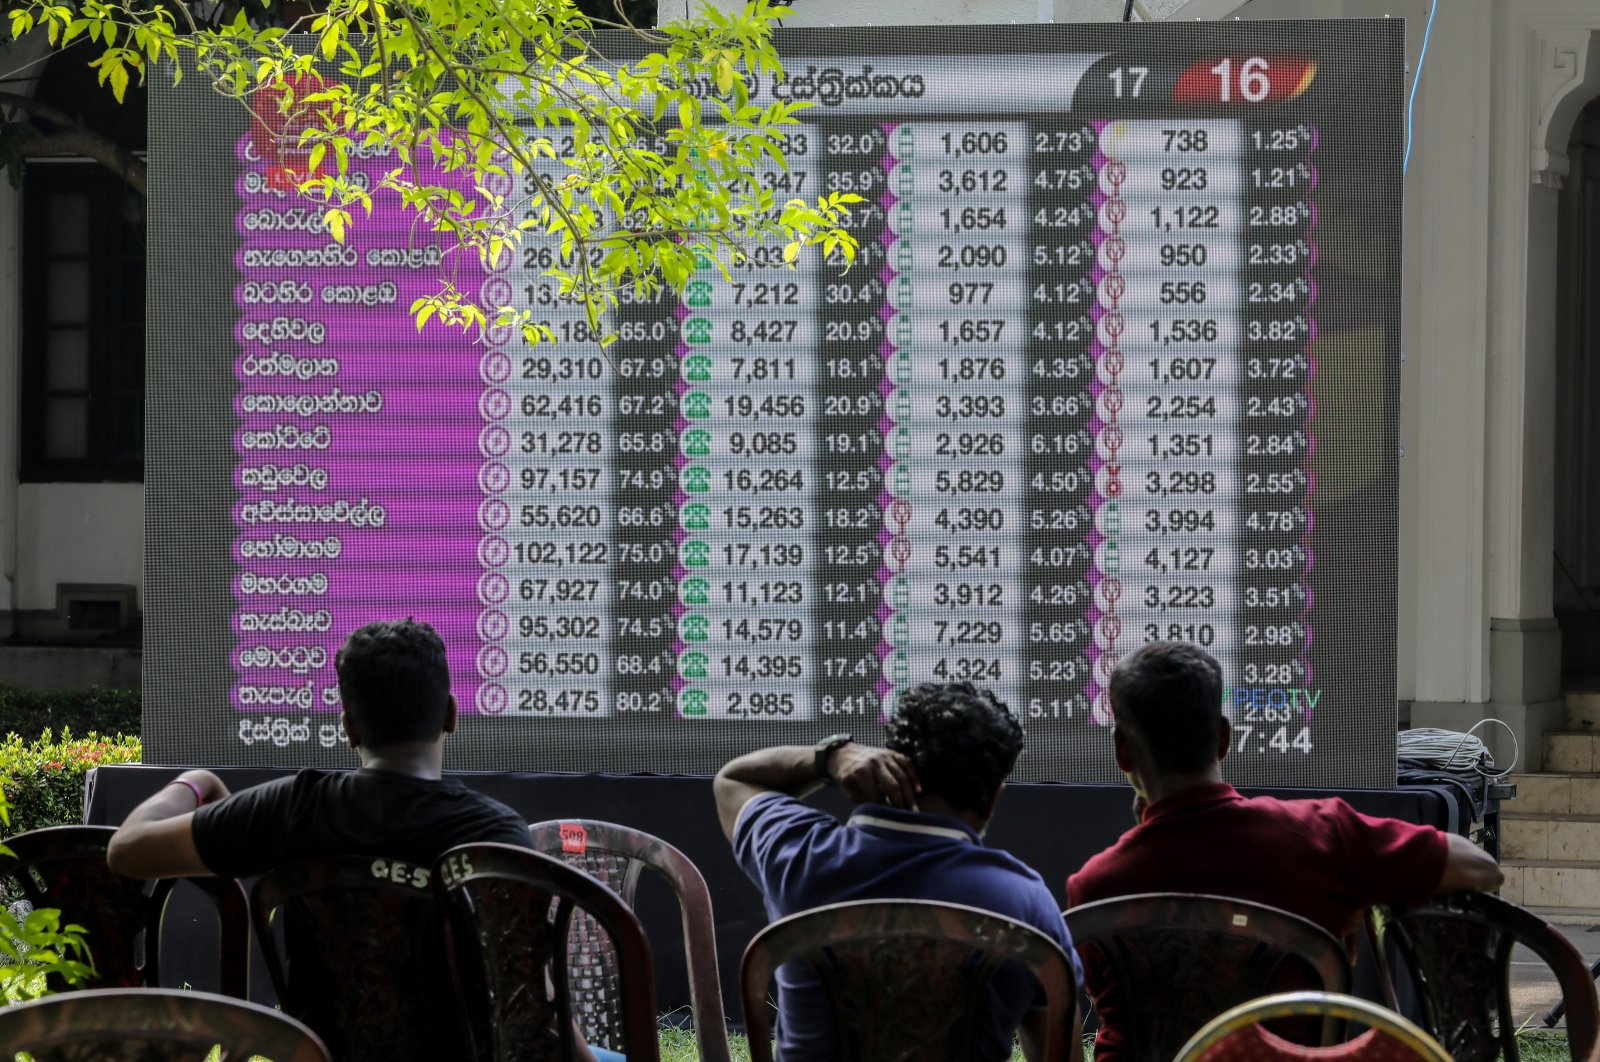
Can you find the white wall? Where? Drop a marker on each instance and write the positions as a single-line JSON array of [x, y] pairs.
[[77, 533]]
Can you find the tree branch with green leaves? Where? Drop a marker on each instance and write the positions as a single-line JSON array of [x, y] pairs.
[[631, 156]]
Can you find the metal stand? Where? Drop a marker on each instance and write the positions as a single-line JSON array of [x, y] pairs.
[[1559, 1009]]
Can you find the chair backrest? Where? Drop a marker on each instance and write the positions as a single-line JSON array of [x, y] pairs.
[[65, 867], [367, 966], [616, 855], [150, 1024], [1173, 961], [510, 915], [1458, 948], [1239, 1035], [907, 979]]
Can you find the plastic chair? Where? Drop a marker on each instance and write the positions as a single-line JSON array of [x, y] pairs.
[[139, 1024], [366, 960], [510, 924], [1457, 950], [1172, 961], [907, 978], [1238, 1036], [65, 867], [617, 855]]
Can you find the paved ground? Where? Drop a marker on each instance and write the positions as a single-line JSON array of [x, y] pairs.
[[1533, 986]]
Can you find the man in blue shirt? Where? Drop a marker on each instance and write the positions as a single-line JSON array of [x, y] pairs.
[[917, 835]]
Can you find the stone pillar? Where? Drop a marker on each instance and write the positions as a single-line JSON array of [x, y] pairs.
[[1548, 69], [1443, 394], [26, 54]]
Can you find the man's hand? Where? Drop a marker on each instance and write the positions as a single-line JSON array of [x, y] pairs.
[[1468, 868], [871, 775], [866, 774]]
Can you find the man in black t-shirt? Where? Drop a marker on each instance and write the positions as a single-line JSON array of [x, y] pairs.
[[398, 709], [395, 686]]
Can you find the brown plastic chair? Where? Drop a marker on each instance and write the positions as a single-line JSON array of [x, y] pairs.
[[1173, 961], [146, 1024], [907, 978], [510, 924], [617, 855], [64, 867], [1457, 950], [367, 966], [1238, 1035]]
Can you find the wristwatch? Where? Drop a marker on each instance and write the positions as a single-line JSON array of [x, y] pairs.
[[825, 746]]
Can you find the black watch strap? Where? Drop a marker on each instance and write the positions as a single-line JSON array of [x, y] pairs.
[[824, 747]]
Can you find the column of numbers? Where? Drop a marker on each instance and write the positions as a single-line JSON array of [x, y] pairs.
[[1175, 374], [1060, 293], [744, 629], [966, 221], [852, 496], [646, 484], [1275, 692], [558, 420]]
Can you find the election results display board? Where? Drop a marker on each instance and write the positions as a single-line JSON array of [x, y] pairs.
[[1118, 361]]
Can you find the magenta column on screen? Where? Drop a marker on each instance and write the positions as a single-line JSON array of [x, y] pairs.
[[357, 451]]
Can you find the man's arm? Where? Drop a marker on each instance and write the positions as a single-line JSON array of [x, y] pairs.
[[866, 774], [1468, 868], [157, 838]]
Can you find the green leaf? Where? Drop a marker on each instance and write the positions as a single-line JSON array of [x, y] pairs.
[[336, 220], [119, 80]]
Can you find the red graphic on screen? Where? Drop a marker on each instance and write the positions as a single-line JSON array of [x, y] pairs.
[[281, 115], [1245, 79]]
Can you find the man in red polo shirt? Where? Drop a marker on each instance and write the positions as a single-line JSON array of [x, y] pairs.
[[1320, 859]]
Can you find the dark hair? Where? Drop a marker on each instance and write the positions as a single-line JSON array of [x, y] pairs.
[[394, 683], [963, 741], [1169, 696]]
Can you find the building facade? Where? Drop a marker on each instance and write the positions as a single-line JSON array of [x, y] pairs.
[[1500, 483]]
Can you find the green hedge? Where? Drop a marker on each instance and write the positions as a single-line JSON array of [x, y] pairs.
[[43, 779], [29, 713]]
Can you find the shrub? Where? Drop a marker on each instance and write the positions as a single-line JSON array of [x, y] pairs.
[[43, 779], [34, 946], [98, 709]]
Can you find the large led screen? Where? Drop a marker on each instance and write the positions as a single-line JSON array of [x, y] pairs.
[[1118, 361]]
